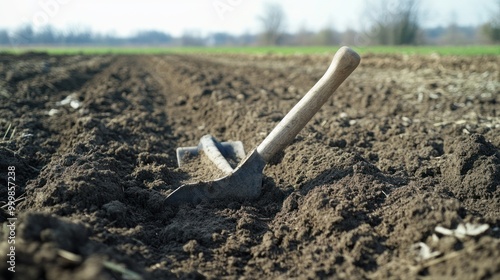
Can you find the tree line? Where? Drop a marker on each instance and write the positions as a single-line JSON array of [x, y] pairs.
[[386, 24]]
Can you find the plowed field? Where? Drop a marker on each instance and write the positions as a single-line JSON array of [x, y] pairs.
[[407, 147]]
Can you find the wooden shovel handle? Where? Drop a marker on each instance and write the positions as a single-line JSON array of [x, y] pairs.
[[343, 64]]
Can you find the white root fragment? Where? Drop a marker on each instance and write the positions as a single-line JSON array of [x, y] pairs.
[[424, 252], [463, 230]]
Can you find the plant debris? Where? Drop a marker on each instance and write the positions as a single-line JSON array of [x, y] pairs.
[[463, 230]]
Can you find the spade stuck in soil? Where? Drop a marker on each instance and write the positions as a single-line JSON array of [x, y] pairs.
[[245, 181]]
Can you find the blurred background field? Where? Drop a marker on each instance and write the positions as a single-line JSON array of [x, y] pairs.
[[222, 26]]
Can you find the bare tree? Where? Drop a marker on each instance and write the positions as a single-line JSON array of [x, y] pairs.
[[492, 28], [328, 36], [4, 37], [46, 36], [350, 37], [273, 24], [22, 36], [393, 22], [192, 38], [407, 23]]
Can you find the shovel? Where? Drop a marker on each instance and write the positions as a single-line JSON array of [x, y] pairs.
[[245, 181]]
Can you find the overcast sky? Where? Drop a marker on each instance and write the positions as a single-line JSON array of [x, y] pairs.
[[124, 17]]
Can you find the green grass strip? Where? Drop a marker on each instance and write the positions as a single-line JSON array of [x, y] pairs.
[[284, 50]]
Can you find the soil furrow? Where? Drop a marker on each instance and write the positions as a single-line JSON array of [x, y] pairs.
[[32, 101]]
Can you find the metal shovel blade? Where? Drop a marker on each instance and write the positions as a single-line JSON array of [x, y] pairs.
[[244, 182]]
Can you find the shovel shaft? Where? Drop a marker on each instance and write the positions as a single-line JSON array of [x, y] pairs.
[[343, 64]]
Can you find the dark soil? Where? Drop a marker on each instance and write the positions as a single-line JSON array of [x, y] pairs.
[[406, 144]]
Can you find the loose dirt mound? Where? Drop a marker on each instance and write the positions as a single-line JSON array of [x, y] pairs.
[[407, 148]]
